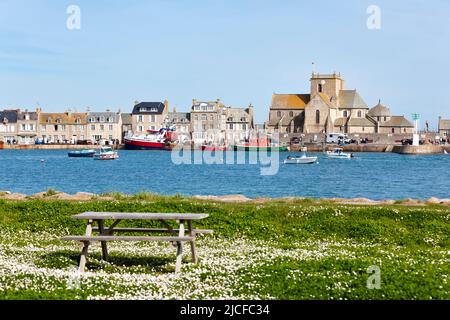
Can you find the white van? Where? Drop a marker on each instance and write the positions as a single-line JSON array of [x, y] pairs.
[[336, 138]]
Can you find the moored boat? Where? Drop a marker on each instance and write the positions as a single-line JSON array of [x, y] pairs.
[[81, 153], [303, 159], [339, 154], [106, 153], [152, 140]]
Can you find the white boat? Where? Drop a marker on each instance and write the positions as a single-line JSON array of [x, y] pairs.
[[106, 153], [339, 153], [303, 159]]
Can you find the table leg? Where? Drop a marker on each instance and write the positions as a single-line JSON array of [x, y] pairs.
[[101, 227], [179, 248], [84, 251], [193, 249]]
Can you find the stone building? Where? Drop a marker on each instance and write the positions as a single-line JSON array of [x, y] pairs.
[[239, 122], [386, 123], [127, 125], [149, 116], [8, 126], [67, 127], [182, 123], [27, 124], [287, 112], [104, 126], [330, 107], [208, 121], [444, 128]]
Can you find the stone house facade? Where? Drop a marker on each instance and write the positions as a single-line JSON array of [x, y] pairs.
[[182, 123], [208, 121], [67, 127], [8, 126], [149, 116], [27, 124], [239, 123], [444, 128], [104, 126]]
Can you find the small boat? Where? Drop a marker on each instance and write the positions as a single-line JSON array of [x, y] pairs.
[[445, 151], [303, 159], [106, 153], [82, 154], [339, 153]]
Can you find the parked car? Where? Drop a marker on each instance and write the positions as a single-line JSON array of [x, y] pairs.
[[84, 142], [338, 138]]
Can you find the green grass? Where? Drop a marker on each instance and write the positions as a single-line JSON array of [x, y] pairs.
[[410, 244]]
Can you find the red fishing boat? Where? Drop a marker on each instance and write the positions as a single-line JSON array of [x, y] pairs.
[[152, 140]]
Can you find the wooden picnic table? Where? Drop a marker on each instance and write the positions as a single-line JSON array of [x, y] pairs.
[[106, 233]]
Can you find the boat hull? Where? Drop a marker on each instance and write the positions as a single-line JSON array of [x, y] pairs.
[[106, 156], [81, 154], [260, 148], [302, 160], [145, 145]]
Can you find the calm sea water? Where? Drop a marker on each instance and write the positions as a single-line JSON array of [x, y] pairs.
[[369, 175]]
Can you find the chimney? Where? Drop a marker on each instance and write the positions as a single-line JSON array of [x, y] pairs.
[[174, 109], [166, 105]]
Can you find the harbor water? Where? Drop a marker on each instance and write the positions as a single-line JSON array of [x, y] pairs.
[[375, 176]]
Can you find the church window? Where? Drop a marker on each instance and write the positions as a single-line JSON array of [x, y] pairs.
[[317, 116], [359, 114], [279, 114], [320, 87], [291, 114], [345, 114]]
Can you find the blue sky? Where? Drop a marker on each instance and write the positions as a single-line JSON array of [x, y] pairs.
[[238, 51]]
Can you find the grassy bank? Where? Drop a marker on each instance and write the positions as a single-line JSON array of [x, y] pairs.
[[297, 249]]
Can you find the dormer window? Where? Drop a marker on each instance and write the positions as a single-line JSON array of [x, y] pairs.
[[230, 119], [154, 110], [27, 117], [77, 120], [143, 109], [102, 119], [58, 120], [91, 119], [49, 120]]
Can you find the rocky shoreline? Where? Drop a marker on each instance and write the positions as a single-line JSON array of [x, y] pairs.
[[232, 198]]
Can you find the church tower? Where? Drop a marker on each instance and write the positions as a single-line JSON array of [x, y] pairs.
[[330, 84]]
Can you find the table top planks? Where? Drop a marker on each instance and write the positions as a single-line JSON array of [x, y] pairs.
[[138, 216]]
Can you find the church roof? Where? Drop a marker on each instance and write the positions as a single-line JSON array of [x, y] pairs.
[[360, 122], [397, 121], [379, 111], [340, 122], [350, 99], [289, 101]]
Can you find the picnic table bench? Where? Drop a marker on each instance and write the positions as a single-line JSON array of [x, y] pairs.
[[106, 233]]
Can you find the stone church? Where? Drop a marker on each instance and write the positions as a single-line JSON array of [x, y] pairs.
[[329, 107]]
